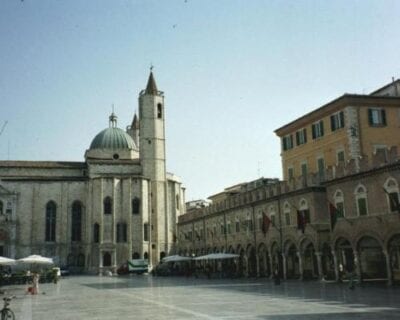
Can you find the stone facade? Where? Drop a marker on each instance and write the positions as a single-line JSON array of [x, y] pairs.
[[322, 222], [117, 205]]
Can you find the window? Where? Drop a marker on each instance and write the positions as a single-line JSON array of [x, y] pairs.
[[392, 192], [229, 228], [382, 152], [376, 117], [339, 204], [96, 233], [260, 222], [122, 232], [321, 168], [361, 201], [301, 137], [340, 157], [304, 170], [222, 229], [76, 225], [337, 121], [1, 207], [159, 111], [135, 206], [51, 210], [237, 226], [177, 201], [304, 209], [290, 173], [273, 219], [287, 218], [287, 142], [146, 232], [317, 129], [107, 205]]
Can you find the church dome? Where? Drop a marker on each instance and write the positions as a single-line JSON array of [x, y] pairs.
[[112, 138]]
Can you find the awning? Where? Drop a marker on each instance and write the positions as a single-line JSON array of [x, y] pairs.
[[176, 258]]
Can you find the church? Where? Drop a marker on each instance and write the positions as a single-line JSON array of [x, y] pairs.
[[92, 216]]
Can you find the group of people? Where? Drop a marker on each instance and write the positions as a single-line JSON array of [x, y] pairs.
[[34, 286]]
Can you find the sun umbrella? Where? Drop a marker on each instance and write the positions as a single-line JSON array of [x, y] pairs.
[[217, 256], [6, 261], [176, 258], [36, 259]]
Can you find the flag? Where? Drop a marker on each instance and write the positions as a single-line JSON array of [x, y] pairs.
[[301, 221], [332, 215], [265, 223]]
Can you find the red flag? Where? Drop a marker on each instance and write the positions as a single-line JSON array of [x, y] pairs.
[[301, 221], [266, 223], [332, 214]]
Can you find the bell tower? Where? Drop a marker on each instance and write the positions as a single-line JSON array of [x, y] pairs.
[[152, 158]]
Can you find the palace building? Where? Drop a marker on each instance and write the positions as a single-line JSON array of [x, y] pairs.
[[119, 204], [336, 208]]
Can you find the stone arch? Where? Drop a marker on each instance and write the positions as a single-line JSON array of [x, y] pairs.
[[393, 251], [372, 262], [327, 262], [345, 254], [310, 263], [292, 265]]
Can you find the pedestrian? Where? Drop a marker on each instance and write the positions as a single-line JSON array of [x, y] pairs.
[[276, 277], [351, 280], [35, 283]]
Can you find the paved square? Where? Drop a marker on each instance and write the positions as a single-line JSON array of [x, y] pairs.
[[147, 297]]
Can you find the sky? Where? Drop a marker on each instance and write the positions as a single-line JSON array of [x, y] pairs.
[[232, 72]]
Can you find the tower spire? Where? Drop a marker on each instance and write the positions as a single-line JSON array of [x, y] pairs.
[[151, 87]]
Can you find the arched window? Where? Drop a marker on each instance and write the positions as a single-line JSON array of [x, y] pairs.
[[76, 225], [107, 259], [305, 211], [145, 255], [96, 233], [135, 206], [1, 207], [339, 203], [159, 110], [361, 200], [121, 232], [272, 215], [51, 210], [286, 212], [392, 194], [107, 205]]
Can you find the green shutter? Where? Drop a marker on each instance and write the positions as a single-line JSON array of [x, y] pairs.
[[383, 116], [370, 120]]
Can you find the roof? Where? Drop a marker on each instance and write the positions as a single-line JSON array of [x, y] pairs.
[[151, 87], [346, 99], [395, 82], [112, 138], [44, 164]]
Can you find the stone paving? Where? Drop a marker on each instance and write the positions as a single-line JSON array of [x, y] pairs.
[[147, 297]]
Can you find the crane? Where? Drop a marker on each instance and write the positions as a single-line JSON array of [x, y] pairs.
[[3, 127]]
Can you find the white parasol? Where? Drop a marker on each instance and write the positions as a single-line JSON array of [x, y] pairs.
[[36, 259], [6, 261], [217, 256], [176, 258]]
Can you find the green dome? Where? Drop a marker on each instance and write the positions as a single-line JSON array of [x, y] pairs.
[[113, 138]]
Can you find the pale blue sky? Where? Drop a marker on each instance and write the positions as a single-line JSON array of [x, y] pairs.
[[232, 72]]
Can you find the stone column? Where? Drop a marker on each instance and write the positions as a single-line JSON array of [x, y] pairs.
[[300, 264], [284, 266], [335, 265], [257, 266], [319, 263], [271, 266], [388, 268]]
